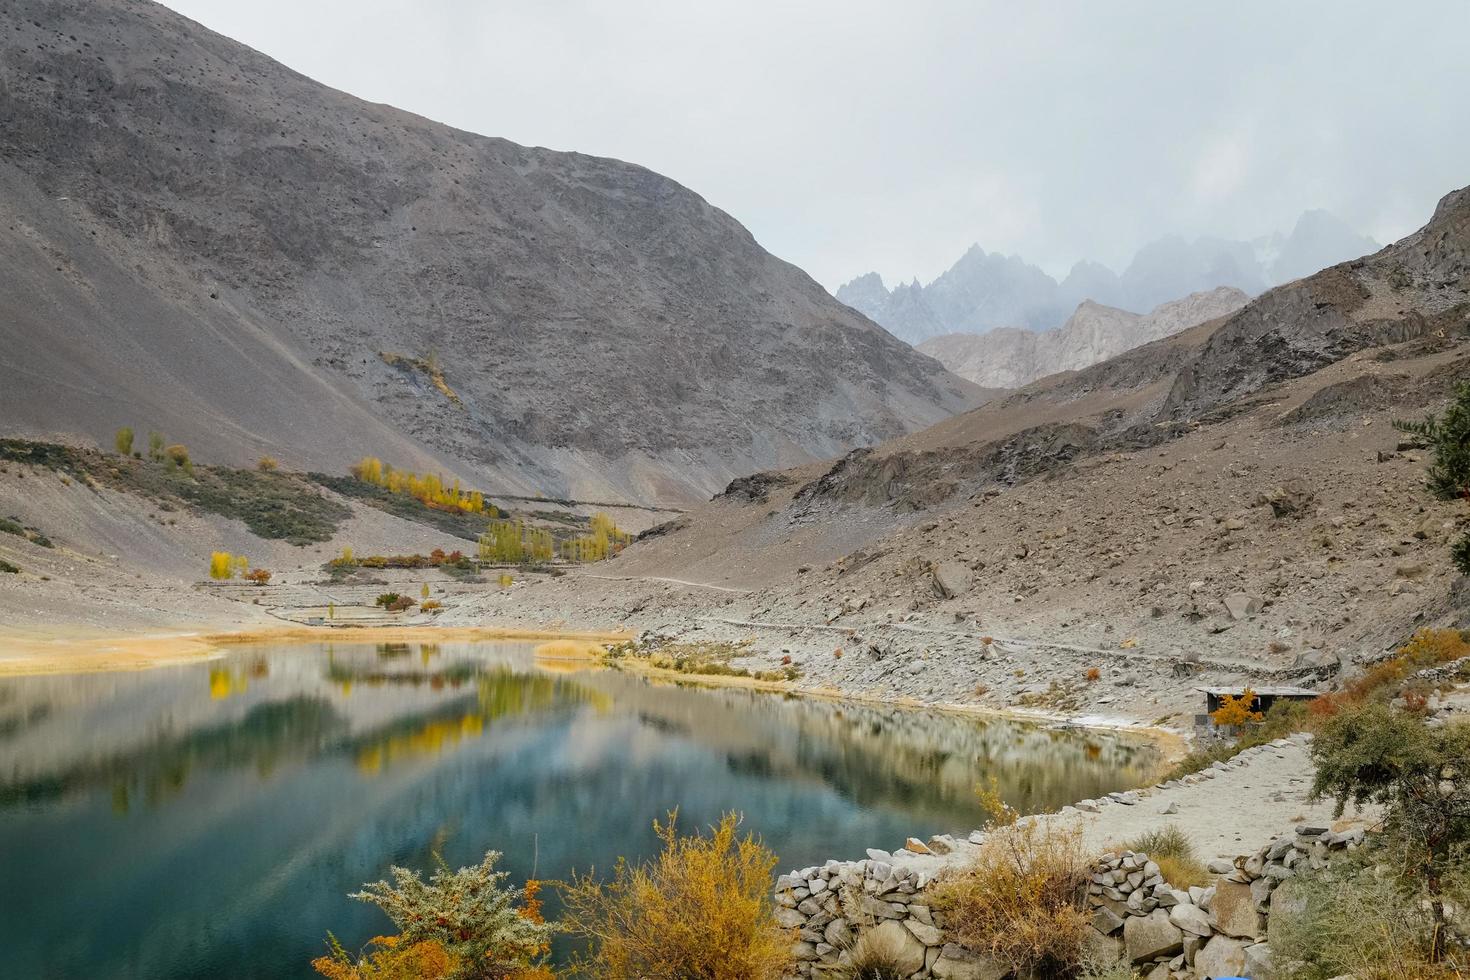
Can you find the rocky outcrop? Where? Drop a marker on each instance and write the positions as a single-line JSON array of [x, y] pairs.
[[1009, 358]]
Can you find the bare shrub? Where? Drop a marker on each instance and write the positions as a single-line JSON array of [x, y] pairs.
[[1023, 898]]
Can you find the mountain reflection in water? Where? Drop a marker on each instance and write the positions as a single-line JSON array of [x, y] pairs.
[[208, 820]]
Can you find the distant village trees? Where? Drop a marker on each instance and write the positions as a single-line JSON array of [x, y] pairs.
[[428, 488]]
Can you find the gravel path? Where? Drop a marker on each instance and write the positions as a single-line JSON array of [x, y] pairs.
[[1226, 811]]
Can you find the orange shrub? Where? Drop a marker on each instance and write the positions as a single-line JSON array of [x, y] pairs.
[[1236, 711], [426, 960], [703, 908], [1093, 674]]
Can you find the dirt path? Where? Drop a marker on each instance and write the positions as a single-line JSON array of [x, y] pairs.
[[1226, 811], [1005, 644], [668, 581]]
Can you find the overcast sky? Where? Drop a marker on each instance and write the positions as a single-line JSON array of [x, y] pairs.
[[851, 135]]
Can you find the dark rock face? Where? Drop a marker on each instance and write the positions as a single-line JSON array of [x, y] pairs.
[[595, 326]]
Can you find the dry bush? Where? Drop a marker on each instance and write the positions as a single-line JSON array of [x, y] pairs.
[[1171, 849], [702, 910], [1023, 898], [1358, 919], [1093, 675], [875, 956], [267, 464], [388, 959]]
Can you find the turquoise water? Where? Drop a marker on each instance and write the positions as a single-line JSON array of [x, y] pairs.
[[208, 820]]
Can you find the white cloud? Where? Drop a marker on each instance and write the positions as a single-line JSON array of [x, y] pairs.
[[852, 134]]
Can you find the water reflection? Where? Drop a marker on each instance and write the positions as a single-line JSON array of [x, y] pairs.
[[207, 820]]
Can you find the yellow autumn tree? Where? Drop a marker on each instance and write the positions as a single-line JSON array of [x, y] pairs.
[[123, 441], [603, 540], [1236, 711], [221, 566], [428, 488]]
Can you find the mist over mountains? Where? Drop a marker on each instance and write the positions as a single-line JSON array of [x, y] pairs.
[[987, 290]]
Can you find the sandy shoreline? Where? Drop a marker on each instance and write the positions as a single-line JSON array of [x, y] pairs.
[[66, 651], [33, 652]]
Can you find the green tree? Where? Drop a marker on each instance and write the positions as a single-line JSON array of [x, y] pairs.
[[1449, 475], [470, 913], [1420, 775], [155, 446], [123, 441]]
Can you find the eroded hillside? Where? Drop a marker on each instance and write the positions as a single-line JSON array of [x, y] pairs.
[[196, 239]]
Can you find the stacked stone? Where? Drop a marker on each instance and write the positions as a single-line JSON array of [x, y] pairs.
[[1195, 934], [831, 904]]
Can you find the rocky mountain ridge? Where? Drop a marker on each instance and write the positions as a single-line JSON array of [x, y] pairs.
[[989, 291], [1010, 358], [198, 240]]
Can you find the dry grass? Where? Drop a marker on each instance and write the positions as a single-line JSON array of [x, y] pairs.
[[875, 956], [1171, 849], [1023, 898], [1360, 920], [569, 650], [703, 908]]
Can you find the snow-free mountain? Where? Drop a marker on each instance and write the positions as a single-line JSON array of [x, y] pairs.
[[985, 291], [1009, 358], [198, 240]]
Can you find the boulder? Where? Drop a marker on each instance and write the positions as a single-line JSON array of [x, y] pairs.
[[838, 933], [790, 918], [1192, 919], [1221, 957], [1287, 900], [1317, 661], [1235, 910], [1242, 606], [1105, 921], [951, 579], [1293, 499], [926, 934], [899, 943], [1147, 937], [1257, 962], [958, 963]]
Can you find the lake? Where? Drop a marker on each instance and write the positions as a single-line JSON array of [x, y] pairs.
[[207, 820]]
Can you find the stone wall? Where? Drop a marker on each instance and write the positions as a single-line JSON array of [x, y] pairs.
[[1204, 933], [833, 904], [1168, 933]]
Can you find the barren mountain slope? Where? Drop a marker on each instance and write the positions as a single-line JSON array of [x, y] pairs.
[[199, 240], [1010, 358], [1227, 504]]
